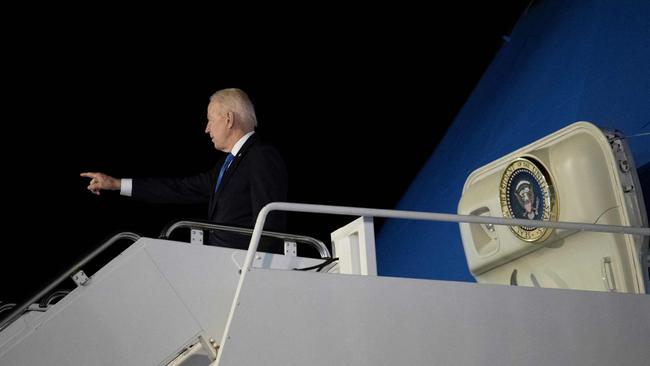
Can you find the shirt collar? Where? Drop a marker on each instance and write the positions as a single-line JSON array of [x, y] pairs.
[[238, 145]]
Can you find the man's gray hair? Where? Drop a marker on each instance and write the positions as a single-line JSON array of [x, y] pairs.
[[237, 101]]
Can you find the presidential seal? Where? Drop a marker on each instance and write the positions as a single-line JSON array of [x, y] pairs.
[[527, 192]]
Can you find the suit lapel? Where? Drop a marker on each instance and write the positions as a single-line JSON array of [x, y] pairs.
[[231, 170]]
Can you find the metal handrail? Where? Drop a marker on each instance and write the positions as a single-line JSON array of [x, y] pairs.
[[315, 243], [397, 214], [21, 309], [430, 216]]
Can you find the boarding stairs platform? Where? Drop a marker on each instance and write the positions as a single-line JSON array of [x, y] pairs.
[[166, 302]]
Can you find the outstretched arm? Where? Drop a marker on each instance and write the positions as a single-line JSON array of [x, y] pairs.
[[101, 181]]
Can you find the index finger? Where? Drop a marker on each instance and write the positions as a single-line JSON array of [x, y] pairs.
[[89, 174]]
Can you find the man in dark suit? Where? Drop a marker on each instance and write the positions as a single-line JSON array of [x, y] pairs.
[[251, 175]]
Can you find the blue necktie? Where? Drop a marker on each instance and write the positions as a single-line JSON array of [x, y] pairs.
[[225, 166]]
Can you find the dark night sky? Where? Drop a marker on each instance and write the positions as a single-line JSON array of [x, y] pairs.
[[354, 108]]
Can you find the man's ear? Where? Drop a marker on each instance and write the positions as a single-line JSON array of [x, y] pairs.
[[230, 119]]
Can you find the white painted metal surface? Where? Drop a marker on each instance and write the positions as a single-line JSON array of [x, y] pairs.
[[205, 277], [433, 216], [354, 245], [127, 308], [158, 297], [143, 308], [594, 181], [286, 318]]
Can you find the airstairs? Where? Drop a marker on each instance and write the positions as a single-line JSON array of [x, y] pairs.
[[165, 302]]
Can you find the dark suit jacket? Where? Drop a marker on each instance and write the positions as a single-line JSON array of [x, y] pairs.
[[256, 176]]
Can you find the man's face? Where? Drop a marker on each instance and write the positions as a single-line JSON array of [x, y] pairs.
[[217, 126]]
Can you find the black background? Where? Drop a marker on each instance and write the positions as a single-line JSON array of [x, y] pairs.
[[355, 103]]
